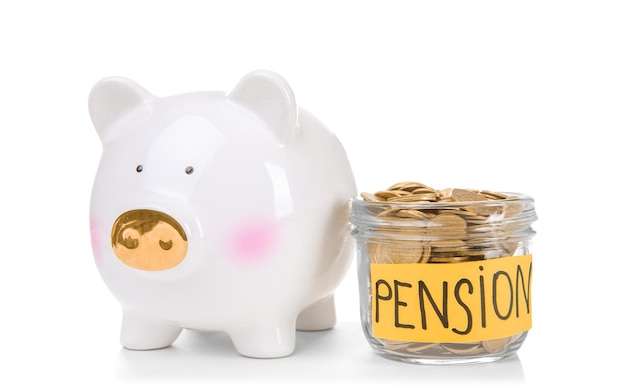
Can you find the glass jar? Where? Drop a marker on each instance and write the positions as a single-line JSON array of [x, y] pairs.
[[445, 282]]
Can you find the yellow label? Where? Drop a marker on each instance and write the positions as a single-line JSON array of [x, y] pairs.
[[453, 302]]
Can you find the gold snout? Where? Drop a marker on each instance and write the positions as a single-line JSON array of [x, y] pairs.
[[148, 240]]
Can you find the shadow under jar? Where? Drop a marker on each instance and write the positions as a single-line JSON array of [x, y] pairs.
[[445, 282]]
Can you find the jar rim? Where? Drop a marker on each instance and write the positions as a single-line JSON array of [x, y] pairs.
[[366, 213], [513, 197]]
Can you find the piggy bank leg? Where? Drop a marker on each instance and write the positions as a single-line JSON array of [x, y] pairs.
[[318, 316], [265, 340], [141, 332]]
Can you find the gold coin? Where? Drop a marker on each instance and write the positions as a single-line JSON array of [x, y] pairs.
[[513, 208], [401, 253], [467, 195], [509, 245], [462, 348], [379, 254], [388, 212], [447, 259], [408, 185], [452, 222], [413, 214], [484, 208], [424, 190], [394, 345], [426, 254], [495, 345], [371, 197], [450, 244], [385, 194], [427, 196], [417, 347], [447, 192], [447, 226], [493, 195], [457, 211]]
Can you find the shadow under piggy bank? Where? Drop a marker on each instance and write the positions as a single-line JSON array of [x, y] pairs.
[[339, 355]]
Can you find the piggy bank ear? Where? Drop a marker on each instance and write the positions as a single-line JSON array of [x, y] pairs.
[[115, 98], [270, 97]]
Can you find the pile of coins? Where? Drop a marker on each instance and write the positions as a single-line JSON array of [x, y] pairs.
[[471, 348], [419, 224], [462, 227]]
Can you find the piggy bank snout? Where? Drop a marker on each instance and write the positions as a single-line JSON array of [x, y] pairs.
[[148, 240]]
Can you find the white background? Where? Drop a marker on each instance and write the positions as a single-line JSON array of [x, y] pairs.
[[513, 96]]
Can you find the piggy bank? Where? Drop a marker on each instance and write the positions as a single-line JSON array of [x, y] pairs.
[[218, 211]]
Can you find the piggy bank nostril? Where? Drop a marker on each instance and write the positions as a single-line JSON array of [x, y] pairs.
[[130, 243], [166, 245]]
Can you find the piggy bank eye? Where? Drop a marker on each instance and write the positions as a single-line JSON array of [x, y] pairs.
[[139, 168], [189, 170], [166, 245]]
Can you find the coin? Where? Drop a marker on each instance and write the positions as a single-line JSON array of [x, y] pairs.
[[462, 348], [417, 347], [426, 254], [495, 345], [400, 254], [386, 194], [426, 196], [493, 195], [371, 197], [406, 185], [413, 214], [467, 195], [449, 222], [394, 345]]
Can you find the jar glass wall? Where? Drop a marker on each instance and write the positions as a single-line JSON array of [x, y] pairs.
[[445, 282]]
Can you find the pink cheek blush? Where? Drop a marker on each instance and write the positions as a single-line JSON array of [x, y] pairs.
[[96, 244], [254, 242]]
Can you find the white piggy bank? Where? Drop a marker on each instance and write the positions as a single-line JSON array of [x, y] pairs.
[[215, 211]]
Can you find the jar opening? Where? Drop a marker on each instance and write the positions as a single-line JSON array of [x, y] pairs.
[[444, 220]]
